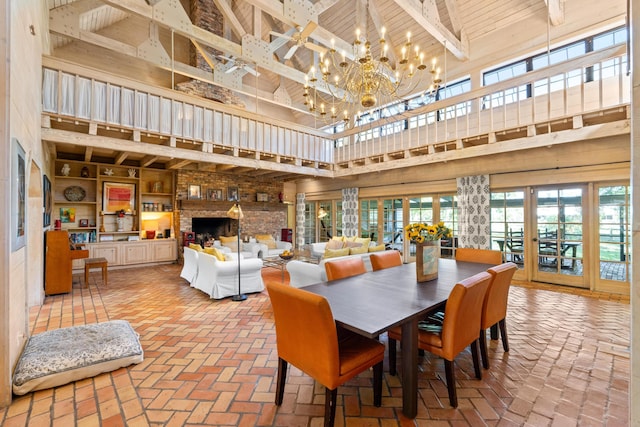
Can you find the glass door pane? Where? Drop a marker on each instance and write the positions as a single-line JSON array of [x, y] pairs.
[[449, 215], [559, 240], [614, 233], [420, 210], [507, 225], [369, 219], [392, 226]]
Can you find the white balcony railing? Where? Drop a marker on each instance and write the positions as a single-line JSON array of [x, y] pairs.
[[556, 93]]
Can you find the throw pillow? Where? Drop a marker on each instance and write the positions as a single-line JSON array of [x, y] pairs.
[[332, 253], [364, 240], [349, 244], [263, 236], [195, 247], [350, 239], [216, 253], [228, 239], [271, 244], [358, 250], [378, 248], [334, 244], [338, 238]]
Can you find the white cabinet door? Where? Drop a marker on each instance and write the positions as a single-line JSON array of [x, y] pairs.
[[110, 251], [164, 250], [136, 253]]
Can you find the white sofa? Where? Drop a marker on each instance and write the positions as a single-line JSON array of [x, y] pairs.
[[305, 273], [317, 249], [265, 252], [248, 250], [219, 279]]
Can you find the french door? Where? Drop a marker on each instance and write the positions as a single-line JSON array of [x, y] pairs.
[[559, 235]]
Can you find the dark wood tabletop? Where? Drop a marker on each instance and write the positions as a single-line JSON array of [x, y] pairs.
[[372, 303]]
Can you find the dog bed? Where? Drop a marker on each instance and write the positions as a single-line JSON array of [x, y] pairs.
[[60, 356]]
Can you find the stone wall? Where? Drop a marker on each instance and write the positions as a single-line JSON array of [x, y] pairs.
[[259, 217], [206, 15]]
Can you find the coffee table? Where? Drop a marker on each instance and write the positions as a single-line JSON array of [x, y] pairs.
[[281, 263]]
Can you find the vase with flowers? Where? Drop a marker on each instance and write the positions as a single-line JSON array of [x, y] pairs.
[[427, 240]]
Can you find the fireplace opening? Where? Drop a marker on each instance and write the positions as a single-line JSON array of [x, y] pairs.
[[207, 229]]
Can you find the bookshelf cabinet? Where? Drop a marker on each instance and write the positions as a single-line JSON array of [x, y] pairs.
[[87, 198]]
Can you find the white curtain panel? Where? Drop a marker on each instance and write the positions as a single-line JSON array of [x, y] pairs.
[[350, 212], [299, 220], [474, 228]]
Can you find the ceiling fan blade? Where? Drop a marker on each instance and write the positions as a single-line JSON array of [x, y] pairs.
[[232, 69], [308, 29], [284, 36], [315, 47], [291, 51]]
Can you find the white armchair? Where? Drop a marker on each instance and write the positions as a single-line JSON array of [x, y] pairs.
[[190, 265], [219, 279]]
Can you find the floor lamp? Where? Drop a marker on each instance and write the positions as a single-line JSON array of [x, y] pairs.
[[236, 213]]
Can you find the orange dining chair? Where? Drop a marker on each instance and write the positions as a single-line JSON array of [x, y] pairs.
[[307, 338], [494, 309], [345, 267], [385, 259], [482, 256], [460, 328]]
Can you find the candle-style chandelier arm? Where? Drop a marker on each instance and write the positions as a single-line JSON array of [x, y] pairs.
[[366, 81]]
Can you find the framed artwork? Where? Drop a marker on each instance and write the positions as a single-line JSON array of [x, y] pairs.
[[18, 195], [195, 192], [46, 201], [67, 215], [214, 194], [83, 223], [262, 197], [232, 193], [117, 196]]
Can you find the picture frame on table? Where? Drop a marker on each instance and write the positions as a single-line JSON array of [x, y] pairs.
[[262, 197], [118, 196], [194, 192], [232, 194], [214, 194], [83, 222]]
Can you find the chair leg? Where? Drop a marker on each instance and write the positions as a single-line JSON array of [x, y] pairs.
[[282, 377], [503, 334], [476, 359], [451, 382], [330, 399], [377, 384], [494, 332], [392, 356], [483, 348]]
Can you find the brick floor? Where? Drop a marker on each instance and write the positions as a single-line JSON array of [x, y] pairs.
[[213, 362]]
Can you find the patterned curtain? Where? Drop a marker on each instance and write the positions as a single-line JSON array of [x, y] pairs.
[[299, 220], [474, 228], [350, 212]]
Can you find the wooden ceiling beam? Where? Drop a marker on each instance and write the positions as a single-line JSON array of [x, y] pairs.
[[430, 22], [230, 18]]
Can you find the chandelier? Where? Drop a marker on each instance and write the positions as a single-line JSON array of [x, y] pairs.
[[338, 88]]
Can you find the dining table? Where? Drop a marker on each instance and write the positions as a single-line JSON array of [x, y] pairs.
[[372, 303]]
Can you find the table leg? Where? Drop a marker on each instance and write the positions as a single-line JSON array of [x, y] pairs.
[[410, 368]]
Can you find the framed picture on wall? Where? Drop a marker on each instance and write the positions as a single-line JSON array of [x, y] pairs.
[[18, 195], [214, 194], [232, 194], [117, 196], [46, 201], [195, 192]]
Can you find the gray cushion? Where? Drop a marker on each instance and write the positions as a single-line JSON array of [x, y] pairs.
[[64, 355]]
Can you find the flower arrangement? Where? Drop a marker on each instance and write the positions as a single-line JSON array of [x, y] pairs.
[[420, 232]]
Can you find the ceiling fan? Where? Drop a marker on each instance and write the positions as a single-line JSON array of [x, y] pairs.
[[300, 38], [238, 64]]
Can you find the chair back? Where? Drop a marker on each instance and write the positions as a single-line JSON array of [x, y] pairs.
[[482, 256], [461, 325], [306, 332], [495, 301], [345, 267], [385, 259]]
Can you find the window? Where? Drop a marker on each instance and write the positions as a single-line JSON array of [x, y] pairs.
[[369, 219], [507, 225]]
